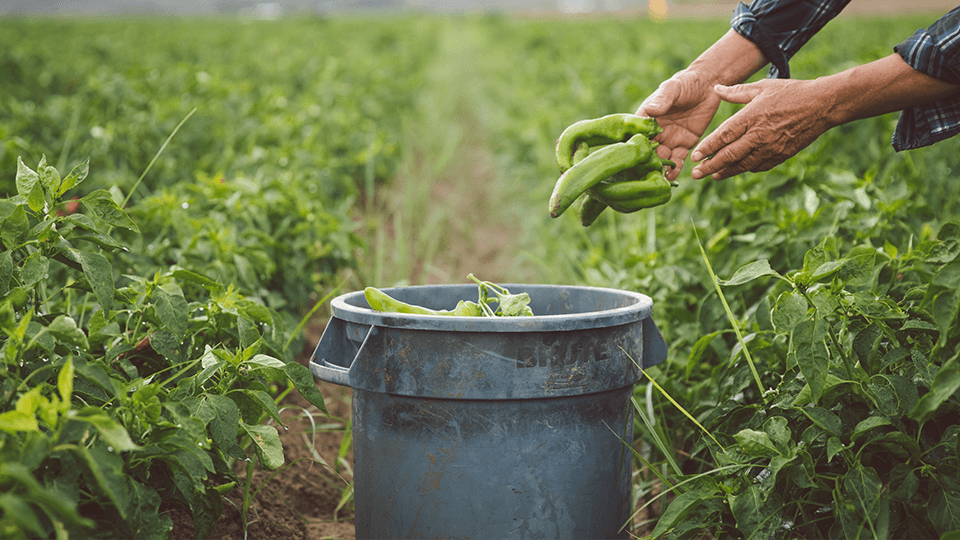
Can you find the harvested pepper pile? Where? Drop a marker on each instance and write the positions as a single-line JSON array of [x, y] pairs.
[[508, 305], [610, 162]]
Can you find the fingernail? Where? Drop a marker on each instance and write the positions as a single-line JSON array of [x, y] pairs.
[[696, 156]]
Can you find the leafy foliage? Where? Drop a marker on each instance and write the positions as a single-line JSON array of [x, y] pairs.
[[820, 376], [120, 394], [858, 428]]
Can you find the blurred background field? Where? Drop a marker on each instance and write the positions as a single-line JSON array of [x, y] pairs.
[[335, 144]]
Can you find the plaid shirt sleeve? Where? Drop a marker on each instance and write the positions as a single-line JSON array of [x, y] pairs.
[[935, 51], [780, 27]]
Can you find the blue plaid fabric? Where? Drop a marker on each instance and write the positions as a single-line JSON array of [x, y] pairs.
[[781, 27]]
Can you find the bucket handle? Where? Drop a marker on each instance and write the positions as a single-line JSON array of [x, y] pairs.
[[654, 346], [338, 342], [330, 373]]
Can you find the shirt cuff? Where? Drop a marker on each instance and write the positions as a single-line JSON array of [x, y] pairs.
[[745, 23], [924, 125]]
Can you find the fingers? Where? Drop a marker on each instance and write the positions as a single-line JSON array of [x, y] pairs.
[[727, 151], [715, 144], [739, 93]]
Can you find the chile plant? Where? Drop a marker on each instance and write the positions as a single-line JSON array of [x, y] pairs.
[[839, 415], [119, 396]]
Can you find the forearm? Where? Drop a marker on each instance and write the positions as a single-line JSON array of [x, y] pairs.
[[880, 87], [732, 59]]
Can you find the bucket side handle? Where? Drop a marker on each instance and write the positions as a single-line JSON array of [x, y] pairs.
[[336, 352], [654, 346]]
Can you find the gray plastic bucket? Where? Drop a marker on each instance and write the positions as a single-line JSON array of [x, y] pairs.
[[492, 428]]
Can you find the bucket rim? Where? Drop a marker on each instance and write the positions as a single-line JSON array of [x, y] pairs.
[[626, 307]]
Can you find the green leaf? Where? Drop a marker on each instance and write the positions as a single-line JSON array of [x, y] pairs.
[[834, 447], [699, 348], [872, 306], [224, 419], [13, 421], [6, 271], [145, 516], [751, 271], [306, 384], [49, 176], [167, 344], [864, 344], [35, 268], [899, 445], [36, 199], [857, 270], [779, 432], [808, 340], [943, 510], [677, 511], [948, 247], [903, 483], [756, 512], [99, 273], [65, 329], [76, 176], [172, 309], [247, 330], [823, 418], [110, 430], [826, 270], [514, 305], [945, 385], [945, 309], [194, 277], [263, 360], [65, 381], [866, 425], [864, 484], [27, 178], [14, 229], [264, 400], [18, 511], [257, 313], [103, 206], [106, 470], [267, 442], [948, 276], [790, 309], [756, 443]]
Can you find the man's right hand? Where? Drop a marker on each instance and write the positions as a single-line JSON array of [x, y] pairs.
[[684, 106]]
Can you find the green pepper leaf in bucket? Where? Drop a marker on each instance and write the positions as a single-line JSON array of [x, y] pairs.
[[511, 305]]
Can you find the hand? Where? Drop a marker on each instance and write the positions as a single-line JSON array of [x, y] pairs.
[[684, 105], [781, 117]]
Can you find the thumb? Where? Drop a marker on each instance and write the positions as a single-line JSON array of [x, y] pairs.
[[658, 103], [738, 93]]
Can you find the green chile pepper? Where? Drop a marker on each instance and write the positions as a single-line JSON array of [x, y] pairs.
[[627, 197], [609, 129], [590, 209], [599, 165], [381, 301]]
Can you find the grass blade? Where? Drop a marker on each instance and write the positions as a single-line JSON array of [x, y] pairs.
[[730, 317]]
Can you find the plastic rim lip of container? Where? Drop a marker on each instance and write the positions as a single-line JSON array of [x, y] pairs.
[[550, 313]]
